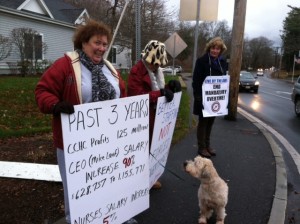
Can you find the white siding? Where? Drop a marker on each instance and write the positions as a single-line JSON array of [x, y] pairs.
[[34, 7], [58, 38], [123, 59]]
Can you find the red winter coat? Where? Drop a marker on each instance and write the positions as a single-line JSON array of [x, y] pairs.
[[62, 82], [139, 83]]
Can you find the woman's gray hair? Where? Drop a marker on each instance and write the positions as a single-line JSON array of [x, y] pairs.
[[217, 41]]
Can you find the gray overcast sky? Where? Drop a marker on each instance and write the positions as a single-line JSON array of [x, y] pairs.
[[263, 17]]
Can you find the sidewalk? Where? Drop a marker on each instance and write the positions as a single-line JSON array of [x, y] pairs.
[[248, 159], [245, 159]]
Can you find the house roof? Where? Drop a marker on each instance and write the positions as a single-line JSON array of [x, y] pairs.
[[55, 9], [63, 11], [14, 4]]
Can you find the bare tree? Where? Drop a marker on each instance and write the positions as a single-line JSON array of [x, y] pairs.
[[30, 47], [21, 39], [246, 58], [261, 52], [5, 47], [156, 22], [209, 30], [186, 32], [98, 10]]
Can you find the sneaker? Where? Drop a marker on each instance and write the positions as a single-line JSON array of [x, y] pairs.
[[131, 221]]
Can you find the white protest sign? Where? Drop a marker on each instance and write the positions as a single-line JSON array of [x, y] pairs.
[[106, 148], [165, 120], [215, 94]]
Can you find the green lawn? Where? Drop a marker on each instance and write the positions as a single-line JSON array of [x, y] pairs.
[[20, 116]]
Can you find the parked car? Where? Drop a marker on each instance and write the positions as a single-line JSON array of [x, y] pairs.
[[167, 69], [296, 97], [248, 82], [260, 72], [178, 68]]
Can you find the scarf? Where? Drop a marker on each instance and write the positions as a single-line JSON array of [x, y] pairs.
[[102, 89], [157, 78], [215, 63]]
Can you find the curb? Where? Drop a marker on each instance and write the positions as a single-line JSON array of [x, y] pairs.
[[182, 83], [279, 205]]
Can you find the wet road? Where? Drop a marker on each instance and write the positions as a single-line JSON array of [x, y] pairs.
[[273, 106]]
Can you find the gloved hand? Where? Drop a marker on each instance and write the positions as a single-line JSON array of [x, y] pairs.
[[174, 86], [63, 107], [168, 94]]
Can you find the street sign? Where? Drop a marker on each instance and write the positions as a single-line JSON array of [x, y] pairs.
[[208, 10], [175, 45]]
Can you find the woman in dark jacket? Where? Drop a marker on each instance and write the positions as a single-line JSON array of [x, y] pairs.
[[210, 64]]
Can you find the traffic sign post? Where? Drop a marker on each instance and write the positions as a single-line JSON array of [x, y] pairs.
[[174, 46]]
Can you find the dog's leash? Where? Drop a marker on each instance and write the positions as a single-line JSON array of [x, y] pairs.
[[170, 171]]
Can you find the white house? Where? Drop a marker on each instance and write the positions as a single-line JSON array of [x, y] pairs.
[[54, 21]]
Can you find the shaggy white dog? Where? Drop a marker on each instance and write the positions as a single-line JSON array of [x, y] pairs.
[[213, 191]]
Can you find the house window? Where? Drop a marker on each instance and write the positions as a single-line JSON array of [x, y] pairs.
[[38, 47], [33, 46]]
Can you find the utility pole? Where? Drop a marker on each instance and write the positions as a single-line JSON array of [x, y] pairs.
[[196, 35], [237, 43], [138, 29], [195, 53], [116, 31]]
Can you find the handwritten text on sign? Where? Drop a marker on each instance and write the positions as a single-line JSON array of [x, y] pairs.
[[106, 147], [165, 120], [215, 94]]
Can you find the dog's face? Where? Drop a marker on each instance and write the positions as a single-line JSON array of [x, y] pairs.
[[199, 167]]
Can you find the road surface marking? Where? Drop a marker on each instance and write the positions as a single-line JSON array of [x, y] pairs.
[[290, 149]]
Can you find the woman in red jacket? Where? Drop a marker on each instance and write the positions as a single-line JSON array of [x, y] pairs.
[[146, 77], [81, 76]]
